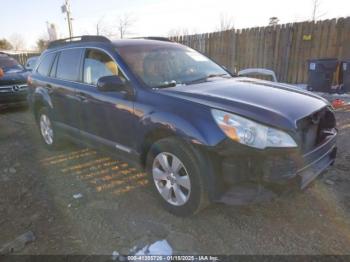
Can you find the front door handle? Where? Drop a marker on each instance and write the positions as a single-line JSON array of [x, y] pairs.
[[49, 88], [82, 97]]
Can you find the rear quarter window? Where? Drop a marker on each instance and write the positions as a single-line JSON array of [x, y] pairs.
[[68, 66]]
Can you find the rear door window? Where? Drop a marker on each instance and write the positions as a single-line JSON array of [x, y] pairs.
[[45, 64], [68, 66]]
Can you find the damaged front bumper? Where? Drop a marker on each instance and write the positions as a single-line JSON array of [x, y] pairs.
[[274, 170]]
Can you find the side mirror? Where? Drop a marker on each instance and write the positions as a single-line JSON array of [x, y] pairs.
[[1, 72], [112, 83], [228, 71]]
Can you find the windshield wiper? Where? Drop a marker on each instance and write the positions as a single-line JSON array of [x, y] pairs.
[[206, 78], [166, 84]]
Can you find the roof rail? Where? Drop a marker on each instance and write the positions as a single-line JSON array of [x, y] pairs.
[[158, 38], [78, 39]]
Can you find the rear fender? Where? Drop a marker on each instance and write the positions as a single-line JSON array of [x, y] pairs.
[[41, 96]]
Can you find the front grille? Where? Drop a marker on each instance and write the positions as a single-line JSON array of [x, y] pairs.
[[13, 88], [315, 128]]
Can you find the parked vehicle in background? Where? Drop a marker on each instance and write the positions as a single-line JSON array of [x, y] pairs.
[[13, 82], [198, 131], [258, 72], [341, 99], [31, 63]]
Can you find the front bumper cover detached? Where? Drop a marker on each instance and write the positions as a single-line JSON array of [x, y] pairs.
[[250, 174]]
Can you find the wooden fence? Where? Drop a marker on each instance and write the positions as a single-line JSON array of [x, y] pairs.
[[282, 48], [23, 57]]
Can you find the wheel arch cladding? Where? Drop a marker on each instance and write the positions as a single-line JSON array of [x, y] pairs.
[[41, 99]]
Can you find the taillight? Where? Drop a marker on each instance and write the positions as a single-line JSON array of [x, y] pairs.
[[338, 103]]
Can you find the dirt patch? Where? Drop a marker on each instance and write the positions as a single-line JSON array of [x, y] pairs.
[[116, 210]]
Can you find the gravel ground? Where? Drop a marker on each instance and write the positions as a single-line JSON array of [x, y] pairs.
[[117, 211]]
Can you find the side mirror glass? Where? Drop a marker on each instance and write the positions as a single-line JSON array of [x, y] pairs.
[[111, 83]]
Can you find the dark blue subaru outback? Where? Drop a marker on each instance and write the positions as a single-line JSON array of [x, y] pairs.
[[202, 134]]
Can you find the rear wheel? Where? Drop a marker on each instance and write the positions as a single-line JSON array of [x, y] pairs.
[[177, 176], [48, 135]]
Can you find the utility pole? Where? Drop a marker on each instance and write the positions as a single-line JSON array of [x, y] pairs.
[[66, 9], [315, 6], [98, 27]]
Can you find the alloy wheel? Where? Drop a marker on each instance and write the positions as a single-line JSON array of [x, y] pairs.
[[46, 129], [171, 178]]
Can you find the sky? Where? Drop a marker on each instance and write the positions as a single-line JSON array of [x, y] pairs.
[[28, 18]]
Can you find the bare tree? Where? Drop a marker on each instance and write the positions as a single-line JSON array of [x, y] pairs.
[[41, 44], [17, 41], [226, 23], [273, 21], [180, 31], [125, 22], [316, 6], [5, 45]]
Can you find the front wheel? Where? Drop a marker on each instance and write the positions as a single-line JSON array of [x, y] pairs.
[[178, 176]]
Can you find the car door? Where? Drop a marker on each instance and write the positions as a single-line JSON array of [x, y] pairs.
[[65, 75], [106, 117]]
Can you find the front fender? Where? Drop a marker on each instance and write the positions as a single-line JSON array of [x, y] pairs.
[[172, 124], [199, 128]]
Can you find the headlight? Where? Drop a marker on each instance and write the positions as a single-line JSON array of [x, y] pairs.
[[250, 133]]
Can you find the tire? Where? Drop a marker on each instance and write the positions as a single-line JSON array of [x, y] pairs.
[[183, 186], [48, 134]]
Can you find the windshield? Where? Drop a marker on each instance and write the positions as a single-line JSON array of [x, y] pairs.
[[31, 63], [169, 65], [9, 65]]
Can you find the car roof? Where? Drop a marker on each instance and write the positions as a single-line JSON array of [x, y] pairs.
[[2, 54], [7, 58], [141, 42], [115, 43]]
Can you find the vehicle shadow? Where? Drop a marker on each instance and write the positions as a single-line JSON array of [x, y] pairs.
[[5, 109]]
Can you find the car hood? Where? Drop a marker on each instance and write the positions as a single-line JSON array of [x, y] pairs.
[[274, 104], [14, 78]]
